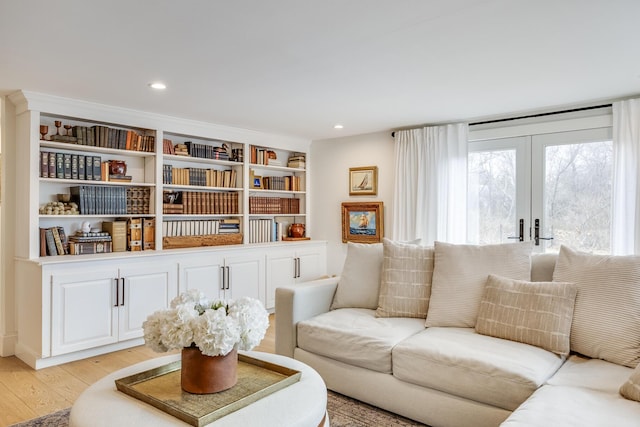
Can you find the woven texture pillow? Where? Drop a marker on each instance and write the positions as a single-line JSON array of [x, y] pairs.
[[535, 313], [360, 278], [631, 389], [405, 282], [606, 319], [459, 276]]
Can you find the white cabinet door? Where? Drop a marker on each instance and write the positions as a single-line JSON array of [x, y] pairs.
[[312, 263], [245, 276], [288, 266], [281, 270], [143, 289], [84, 310], [202, 273]]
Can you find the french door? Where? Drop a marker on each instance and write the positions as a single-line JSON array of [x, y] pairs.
[[551, 189]]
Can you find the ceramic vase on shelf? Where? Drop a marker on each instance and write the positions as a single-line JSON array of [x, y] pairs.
[[202, 374]]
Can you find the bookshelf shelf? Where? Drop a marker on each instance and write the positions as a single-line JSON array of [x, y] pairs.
[[172, 158], [65, 146]]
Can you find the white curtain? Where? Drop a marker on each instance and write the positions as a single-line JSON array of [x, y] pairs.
[[625, 218], [430, 191]]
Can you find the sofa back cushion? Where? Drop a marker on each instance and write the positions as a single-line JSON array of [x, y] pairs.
[[460, 273], [359, 284], [606, 319], [535, 313], [405, 282]]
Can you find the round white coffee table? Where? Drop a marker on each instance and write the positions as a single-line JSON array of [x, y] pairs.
[[302, 404]]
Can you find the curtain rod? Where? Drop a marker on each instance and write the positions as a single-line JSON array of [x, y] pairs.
[[530, 116]]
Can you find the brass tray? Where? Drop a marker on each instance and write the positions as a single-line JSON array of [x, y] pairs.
[[160, 387]]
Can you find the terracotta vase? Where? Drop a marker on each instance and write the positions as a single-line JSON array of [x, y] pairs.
[[201, 374], [296, 230]]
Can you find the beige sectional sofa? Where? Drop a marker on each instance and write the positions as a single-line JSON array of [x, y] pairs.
[[455, 335]]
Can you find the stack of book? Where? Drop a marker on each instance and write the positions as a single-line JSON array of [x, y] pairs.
[[229, 226], [82, 243], [297, 160]]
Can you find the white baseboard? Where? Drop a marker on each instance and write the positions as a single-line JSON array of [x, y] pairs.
[[37, 362], [8, 344]]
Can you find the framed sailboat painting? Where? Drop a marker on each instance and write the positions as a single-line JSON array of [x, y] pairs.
[[362, 222], [363, 181]]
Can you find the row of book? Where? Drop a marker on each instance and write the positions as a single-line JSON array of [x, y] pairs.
[[263, 156], [106, 137], [70, 166], [200, 203], [265, 230], [111, 200], [281, 183], [199, 176], [273, 205], [53, 241], [200, 227]]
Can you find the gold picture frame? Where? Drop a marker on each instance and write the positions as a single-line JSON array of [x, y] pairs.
[[363, 181], [362, 222]]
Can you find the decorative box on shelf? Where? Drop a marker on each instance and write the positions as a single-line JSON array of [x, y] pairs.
[[178, 242]]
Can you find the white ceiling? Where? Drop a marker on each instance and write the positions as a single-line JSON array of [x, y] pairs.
[[298, 67]]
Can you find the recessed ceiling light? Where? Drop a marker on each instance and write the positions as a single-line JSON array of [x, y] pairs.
[[158, 85], [338, 126]]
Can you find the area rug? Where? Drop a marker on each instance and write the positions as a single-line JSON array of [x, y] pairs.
[[343, 412]]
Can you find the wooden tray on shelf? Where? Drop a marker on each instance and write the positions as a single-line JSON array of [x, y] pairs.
[[292, 239], [160, 387], [203, 240]]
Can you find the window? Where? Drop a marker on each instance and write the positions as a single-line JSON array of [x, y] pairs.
[[552, 188]]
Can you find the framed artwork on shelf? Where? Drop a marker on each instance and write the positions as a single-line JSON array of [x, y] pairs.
[[256, 181], [363, 181], [362, 222]]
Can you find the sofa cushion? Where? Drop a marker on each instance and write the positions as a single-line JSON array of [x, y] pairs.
[[360, 278], [405, 284], [356, 336], [606, 323], [574, 406], [461, 362], [536, 313], [631, 388], [460, 273], [595, 374]]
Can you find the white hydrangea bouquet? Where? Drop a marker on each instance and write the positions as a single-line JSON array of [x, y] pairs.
[[214, 326]]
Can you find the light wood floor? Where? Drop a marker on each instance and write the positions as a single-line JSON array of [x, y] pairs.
[[26, 393]]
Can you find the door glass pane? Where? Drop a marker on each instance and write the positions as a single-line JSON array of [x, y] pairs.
[[577, 196], [491, 196]]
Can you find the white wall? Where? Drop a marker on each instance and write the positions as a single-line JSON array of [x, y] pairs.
[[7, 232], [330, 161]]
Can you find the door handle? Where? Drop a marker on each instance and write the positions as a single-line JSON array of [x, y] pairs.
[[223, 271], [228, 276], [520, 235], [536, 233], [116, 282], [122, 290]]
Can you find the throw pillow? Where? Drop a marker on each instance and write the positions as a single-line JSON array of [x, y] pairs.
[[460, 273], [405, 282], [606, 324], [631, 389], [359, 283], [535, 313]]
